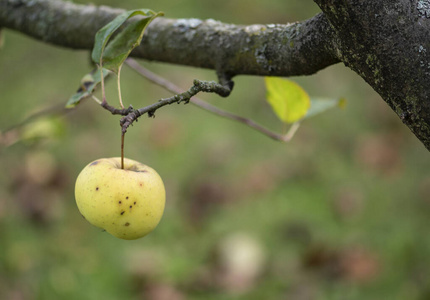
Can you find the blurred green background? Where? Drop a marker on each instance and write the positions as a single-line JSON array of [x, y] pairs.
[[341, 212]]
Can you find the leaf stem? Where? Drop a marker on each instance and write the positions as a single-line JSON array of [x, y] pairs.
[[119, 86], [291, 132], [96, 99], [102, 83]]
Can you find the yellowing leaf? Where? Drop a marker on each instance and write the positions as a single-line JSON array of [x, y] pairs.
[[288, 100]]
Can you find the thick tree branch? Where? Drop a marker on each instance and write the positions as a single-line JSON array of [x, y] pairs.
[[387, 42], [282, 50]]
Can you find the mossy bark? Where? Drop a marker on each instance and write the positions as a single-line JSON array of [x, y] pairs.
[[387, 43]]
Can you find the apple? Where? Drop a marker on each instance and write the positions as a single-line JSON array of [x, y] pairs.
[[128, 203]]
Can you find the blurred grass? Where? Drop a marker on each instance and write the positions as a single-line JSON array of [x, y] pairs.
[[341, 212]]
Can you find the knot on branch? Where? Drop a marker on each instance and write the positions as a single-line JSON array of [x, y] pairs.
[[180, 98], [211, 87], [225, 80], [151, 114], [116, 111], [128, 120]]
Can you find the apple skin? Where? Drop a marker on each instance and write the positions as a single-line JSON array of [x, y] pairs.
[[128, 203]]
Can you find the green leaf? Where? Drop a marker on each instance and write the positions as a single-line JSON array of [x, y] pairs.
[[112, 55], [320, 105], [87, 86], [288, 100]]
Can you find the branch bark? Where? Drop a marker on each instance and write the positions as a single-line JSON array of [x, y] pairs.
[[387, 43], [282, 50]]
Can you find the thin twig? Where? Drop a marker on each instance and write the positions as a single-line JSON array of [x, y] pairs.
[[198, 86], [156, 79]]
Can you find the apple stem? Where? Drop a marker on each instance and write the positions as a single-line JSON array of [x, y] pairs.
[[122, 149]]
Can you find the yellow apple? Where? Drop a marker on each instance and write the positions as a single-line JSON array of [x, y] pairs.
[[128, 203]]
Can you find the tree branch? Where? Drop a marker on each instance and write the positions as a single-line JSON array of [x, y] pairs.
[[387, 43], [279, 50], [131, 115]]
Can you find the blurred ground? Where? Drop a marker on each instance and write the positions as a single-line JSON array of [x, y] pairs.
[[342, 212]]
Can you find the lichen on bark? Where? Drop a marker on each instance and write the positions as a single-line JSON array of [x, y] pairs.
[[386, 43]]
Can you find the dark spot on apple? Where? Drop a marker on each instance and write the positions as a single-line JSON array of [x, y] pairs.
[[94, 163], [126, 197], [122, 213], [119, 202], [97, 188], [134, 202], [141, 183], [131, 206], [127, 224]]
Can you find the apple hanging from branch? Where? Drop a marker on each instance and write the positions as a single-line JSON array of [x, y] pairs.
[[128, 203]]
